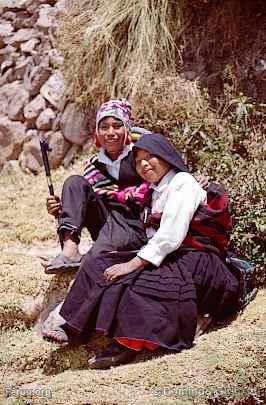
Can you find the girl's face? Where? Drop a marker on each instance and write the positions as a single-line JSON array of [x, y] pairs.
[[111, 135], [150, 167]]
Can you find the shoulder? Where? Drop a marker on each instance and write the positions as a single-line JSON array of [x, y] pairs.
[[184, 178]]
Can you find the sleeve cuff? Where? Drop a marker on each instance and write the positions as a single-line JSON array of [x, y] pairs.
[[149, 253]]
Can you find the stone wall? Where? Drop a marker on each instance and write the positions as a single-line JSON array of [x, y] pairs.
[[32, 89]]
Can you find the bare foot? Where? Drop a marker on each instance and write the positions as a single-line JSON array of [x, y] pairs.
[[57, 335], [32, 308]]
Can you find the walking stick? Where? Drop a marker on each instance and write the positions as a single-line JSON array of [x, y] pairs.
[[45, 148]]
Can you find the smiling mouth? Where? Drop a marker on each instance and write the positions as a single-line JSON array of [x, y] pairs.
[[147, 171]]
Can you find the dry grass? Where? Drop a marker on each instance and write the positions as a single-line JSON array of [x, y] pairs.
[[226, 365], [117, 46]]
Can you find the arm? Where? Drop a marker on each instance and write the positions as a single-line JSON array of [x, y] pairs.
[[184, 197], [177, 215]]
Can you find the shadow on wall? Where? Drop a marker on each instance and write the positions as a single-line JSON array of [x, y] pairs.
[[224, 40]]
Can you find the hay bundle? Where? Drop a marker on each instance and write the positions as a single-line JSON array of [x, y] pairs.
[[114, 48]]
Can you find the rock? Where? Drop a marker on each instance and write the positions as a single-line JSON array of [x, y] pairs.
[[46, 18], [6, 29], [9, 15], [74, 125], [11, 167], [70, 155], [12, 135], [30, 134], [17, 103], [59, 148], [22, 35], [5, 52], [29, 46], [56, 123], [61, 7], [25, 20], [30, 158], [53, 90], [20, 69], [6, 65], [7, 92], [45, 120], [33, 110], [55, 59], [35, 78]]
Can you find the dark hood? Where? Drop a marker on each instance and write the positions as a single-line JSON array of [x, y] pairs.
[[158, 145]]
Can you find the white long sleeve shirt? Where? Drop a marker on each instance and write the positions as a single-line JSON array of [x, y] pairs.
[[177, 197]]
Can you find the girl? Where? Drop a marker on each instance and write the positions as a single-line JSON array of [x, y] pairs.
[[149, 296]]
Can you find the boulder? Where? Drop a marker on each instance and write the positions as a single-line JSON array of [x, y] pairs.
[[55, 59], [22, 35], [5, 52], [35, 78], [7, 93], [6, 29], [11, 167], [71, 154], [17, 103], [74, 125], [9, 15], [30, 157], [20, 68], [46, 18], [59, 147], [12, 135], [61, 7], [45, 120], [33, 110], [53, 90], [21, 20], [29, 46]]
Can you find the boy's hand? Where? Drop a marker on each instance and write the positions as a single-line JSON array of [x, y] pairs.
[[53, 205], [202, 180]]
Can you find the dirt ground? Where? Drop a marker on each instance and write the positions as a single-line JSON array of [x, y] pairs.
[[225, 366]]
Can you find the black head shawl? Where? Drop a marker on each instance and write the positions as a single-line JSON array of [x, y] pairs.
[[158, 145]]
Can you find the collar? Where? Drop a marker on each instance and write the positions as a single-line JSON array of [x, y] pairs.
[[103, 158], [164, 181]]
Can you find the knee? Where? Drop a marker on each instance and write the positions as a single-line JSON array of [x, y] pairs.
[[75, 181]]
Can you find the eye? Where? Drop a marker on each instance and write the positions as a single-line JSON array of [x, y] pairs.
[[103, 127], [117, 126]]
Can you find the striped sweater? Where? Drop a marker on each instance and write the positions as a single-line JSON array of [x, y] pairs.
[[107, 188]]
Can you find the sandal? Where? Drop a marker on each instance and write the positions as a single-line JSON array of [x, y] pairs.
[[62, 264]]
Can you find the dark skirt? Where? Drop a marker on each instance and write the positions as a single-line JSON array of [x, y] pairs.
[[157, 305]]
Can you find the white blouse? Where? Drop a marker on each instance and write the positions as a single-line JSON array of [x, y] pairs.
[[177, 196]]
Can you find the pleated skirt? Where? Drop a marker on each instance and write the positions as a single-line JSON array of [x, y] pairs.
[[156, 306]]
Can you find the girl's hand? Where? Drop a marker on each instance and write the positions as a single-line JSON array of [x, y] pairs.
[[117, 270], [121, 269]]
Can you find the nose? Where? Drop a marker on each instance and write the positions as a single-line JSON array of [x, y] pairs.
[[144, 164], [110, 131]]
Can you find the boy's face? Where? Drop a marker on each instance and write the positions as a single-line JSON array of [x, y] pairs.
[[111, 135], [150, 167]]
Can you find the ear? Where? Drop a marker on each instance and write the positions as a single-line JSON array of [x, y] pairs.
[[128, 139], [96, 140]]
